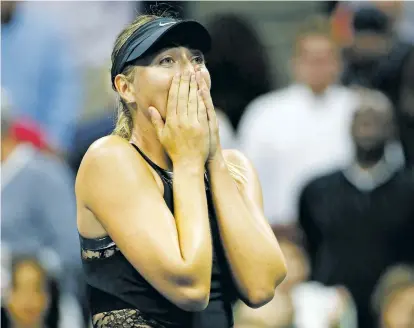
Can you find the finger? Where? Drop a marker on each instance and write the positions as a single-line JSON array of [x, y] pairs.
[[201, 81], [202, 111], [192, 99], [202, 85], [211, 113], [156, 120], [173, 97], [183, 91]]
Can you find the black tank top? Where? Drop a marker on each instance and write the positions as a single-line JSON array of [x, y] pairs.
[[116, 288]]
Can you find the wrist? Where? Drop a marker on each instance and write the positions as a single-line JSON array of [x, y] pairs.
[[192, 165], [217, 160]]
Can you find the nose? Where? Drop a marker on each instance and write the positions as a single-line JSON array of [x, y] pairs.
[[188, 67]]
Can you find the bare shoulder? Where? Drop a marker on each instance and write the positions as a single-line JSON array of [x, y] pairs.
[[109, 158], [108, 148]]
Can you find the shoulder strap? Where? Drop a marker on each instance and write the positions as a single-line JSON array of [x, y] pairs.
[[151, 163]]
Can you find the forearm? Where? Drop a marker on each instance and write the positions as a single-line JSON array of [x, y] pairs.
[[250, 245], [191, 216]]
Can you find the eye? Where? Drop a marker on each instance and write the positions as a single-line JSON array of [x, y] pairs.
[[198, 60], [167, 61]]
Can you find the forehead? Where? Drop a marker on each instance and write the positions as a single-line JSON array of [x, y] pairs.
[[371, 114], [28, 273], [315, 43]]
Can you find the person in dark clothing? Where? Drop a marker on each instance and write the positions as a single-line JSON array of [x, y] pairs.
[[359, 221], [170, 224], [377, 59], [86, 134], [240, 73], [405, 108]]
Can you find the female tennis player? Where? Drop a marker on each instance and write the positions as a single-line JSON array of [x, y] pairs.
[[172, 228]]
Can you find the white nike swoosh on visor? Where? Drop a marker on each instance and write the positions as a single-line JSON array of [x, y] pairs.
[[168, 23]]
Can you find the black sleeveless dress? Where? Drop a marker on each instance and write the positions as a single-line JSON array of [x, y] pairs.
[[124, 298]]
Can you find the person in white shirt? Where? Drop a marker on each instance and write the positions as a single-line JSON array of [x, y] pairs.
[[301, 131]]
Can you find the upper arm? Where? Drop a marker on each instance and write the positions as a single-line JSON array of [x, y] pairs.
[[115, 184]]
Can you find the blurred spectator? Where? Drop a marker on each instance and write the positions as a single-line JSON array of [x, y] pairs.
[[29, 297], [293, 134], [394, 297], [34, 298], [376, 55], [238, 65], [298, 303], [358, 221], [405, 26], [92, 25], [379, 59], [38, 69], [38, 201], [405, 110], [401, 14]]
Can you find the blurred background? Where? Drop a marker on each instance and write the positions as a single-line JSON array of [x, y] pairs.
[[318, 94]]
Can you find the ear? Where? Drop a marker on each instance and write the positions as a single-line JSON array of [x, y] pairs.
[[125, 88]]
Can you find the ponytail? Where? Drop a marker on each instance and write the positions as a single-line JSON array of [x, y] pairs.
[[123, 126]]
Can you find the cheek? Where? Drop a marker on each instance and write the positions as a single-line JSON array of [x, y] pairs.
[[153, 87]]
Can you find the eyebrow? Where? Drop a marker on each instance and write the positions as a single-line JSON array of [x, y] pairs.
[[196, 52], [175, 50]]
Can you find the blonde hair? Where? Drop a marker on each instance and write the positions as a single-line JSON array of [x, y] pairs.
[[124, 122]]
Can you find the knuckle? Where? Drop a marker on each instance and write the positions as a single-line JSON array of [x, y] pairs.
[[180, 125]]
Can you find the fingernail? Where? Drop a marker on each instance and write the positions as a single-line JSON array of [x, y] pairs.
[[177, 75]]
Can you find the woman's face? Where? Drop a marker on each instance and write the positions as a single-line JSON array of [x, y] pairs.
[[28, 299], [152, 82]]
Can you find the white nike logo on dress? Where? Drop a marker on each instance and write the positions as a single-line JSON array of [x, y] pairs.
[[168, 23]]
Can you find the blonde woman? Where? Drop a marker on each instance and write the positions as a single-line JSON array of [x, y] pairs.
[[172, 228]]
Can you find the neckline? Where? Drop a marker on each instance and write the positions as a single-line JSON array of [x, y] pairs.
[[150, 162], [368, 180]]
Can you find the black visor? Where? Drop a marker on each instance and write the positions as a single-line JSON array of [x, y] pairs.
[[166, 30]]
